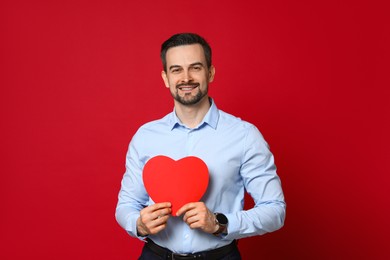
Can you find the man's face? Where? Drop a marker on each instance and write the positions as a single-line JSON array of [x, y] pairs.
[[187, 75]]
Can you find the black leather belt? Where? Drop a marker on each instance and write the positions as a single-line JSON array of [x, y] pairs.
[[211, 254]]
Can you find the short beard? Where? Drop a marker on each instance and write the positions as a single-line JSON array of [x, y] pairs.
[[189, 101]]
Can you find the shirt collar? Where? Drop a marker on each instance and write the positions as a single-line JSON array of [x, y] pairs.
[[211, 117]]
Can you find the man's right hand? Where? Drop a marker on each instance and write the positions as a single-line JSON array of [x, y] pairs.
[[153, 218]]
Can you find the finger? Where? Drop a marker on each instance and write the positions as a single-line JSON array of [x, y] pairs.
[[162, 220], [157, 224], [185, 208], [158, 206], [157, 229], [161, 212], [151, 213], [197, 222], [189, 214], [192, 220]]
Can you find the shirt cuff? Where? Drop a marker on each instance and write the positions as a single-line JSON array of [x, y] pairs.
[[131, 226], [232, 228]]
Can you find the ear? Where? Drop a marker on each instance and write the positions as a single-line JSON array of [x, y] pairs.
[[165, 78], [211, 73]]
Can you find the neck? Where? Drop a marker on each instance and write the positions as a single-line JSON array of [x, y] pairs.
[[192, 115]]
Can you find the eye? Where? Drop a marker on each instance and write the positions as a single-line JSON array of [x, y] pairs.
[[175, 70], [196, 68]]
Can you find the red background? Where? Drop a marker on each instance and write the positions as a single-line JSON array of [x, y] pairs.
[[79, 77]]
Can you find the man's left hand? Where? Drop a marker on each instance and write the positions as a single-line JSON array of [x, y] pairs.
[[197, 215]]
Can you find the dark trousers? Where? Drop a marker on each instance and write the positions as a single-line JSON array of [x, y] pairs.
[[148, 254]]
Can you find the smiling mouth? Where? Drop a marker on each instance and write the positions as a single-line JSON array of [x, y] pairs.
[[187, 87]]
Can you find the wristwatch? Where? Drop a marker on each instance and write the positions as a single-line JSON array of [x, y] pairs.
[[222, 221]]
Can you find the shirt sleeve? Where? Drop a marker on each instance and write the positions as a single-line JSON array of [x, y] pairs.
[[263, 184], [132, 196]]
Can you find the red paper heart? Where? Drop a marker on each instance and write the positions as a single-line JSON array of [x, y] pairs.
[[178, 182]]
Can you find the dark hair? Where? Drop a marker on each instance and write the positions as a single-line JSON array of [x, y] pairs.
[[185, 39]]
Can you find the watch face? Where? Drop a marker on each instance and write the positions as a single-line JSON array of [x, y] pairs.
[[222, 219]]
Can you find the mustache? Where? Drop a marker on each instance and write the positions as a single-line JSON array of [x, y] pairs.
[[187, 84]]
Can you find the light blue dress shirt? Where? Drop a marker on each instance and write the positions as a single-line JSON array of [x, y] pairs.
[[238, 159]]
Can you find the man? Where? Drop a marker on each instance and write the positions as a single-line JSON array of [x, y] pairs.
[[234, 151]]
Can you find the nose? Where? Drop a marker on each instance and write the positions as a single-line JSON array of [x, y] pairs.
[[186, 76]]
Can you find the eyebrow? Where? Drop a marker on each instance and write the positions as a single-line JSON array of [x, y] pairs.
[[196, 64], [174, 66], [191, 65]]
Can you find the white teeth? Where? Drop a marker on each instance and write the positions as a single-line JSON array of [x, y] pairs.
[[186, 88]]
